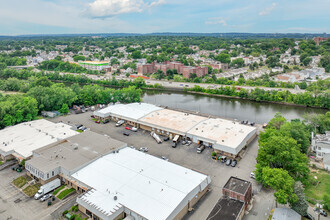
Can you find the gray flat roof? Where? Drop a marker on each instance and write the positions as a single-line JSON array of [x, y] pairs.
[[237, 185], [74, 152], [227, 209], [285, 214]]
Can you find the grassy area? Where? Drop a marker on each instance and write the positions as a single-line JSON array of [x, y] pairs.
[[322, 187], [65, 193], [31, 190], [1, 162], [80, 131], [58, 189], [19, 182]]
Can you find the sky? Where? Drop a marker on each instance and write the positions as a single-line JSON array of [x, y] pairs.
[[150, 16]]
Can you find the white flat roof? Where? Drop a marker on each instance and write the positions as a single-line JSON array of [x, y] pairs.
[[132, 111], [26, 137], [173, 120], [222, 132], [149, 186]]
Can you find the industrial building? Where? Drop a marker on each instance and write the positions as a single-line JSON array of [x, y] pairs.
[[237, 195], [128, 183], [63, 158], [225, 136], [96, 65], [20, 140]]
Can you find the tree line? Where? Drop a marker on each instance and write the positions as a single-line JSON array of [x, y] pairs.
[[307, 98], [44, 95]]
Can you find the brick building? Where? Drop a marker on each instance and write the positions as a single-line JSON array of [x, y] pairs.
[[238, 189], [237, 194], [317, 40]]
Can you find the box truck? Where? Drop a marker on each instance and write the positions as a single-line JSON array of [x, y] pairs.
[[156, 137], [44, 189]]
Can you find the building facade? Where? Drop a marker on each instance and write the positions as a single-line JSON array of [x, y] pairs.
[[96, 65]]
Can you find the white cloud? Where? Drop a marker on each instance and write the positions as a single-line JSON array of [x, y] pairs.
[[268, 10], [216, 20], [109, 8]]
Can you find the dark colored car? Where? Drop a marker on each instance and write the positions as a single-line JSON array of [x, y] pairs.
[[252, 123], [228, 162], [234, 163], [166, 138], [106, 121], [92, 116], [126, 133]]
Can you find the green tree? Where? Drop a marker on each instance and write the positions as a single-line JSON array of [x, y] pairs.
[[301, 205], [223, 58], [64, 109], [280, 181], [277, 121]]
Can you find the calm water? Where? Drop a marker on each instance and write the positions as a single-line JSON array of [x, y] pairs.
[[224, 107]]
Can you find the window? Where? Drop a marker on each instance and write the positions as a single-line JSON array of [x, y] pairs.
[[47, 175], [226, 193], [52, 173]]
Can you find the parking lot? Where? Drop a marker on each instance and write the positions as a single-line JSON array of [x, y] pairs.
[[15, 205], [185, 156]]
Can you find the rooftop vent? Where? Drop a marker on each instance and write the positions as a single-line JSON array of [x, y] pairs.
[[115, 198]]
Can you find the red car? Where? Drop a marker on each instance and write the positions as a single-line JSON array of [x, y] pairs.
[[92, 116], [97, 122], [127, 128]]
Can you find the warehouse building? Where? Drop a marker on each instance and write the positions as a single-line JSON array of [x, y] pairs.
[[20, 140], [170, 123], [225, 136], [129, 183], [63, 158], [131, 113]]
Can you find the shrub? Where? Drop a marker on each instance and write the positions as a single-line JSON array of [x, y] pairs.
[[214, 154], [74, 208], [326, 202], [65, 212], [58, 189]]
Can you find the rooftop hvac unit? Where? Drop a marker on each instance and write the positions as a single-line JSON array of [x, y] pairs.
[[115, 198]]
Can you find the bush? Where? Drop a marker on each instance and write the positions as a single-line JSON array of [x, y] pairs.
[[214, 154], [74, 208], [326, 202], [311, 201], [65, 193], [65, 212]]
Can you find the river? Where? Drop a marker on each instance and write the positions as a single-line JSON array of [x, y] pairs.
[[226, 107]]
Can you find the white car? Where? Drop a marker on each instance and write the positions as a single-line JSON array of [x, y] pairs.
[[45, 197], [143, 149], [252, 175], [134, 129]]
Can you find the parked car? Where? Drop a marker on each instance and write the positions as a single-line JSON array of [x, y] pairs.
[[188, 143], [228, 162], [164, 158], [106, 121], [45, 197], [92, 116], [233, 164], [200, 148], [252, 123], [83, 128], [126, 133], [264, 125], [223, 159], [119, 123], [252, 175], [144, 149], [134, 129], [184, 142], [133, 147], [246, 122], [166, 138], [174, 144], [127, 128], [321, 211], [98, 122]]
